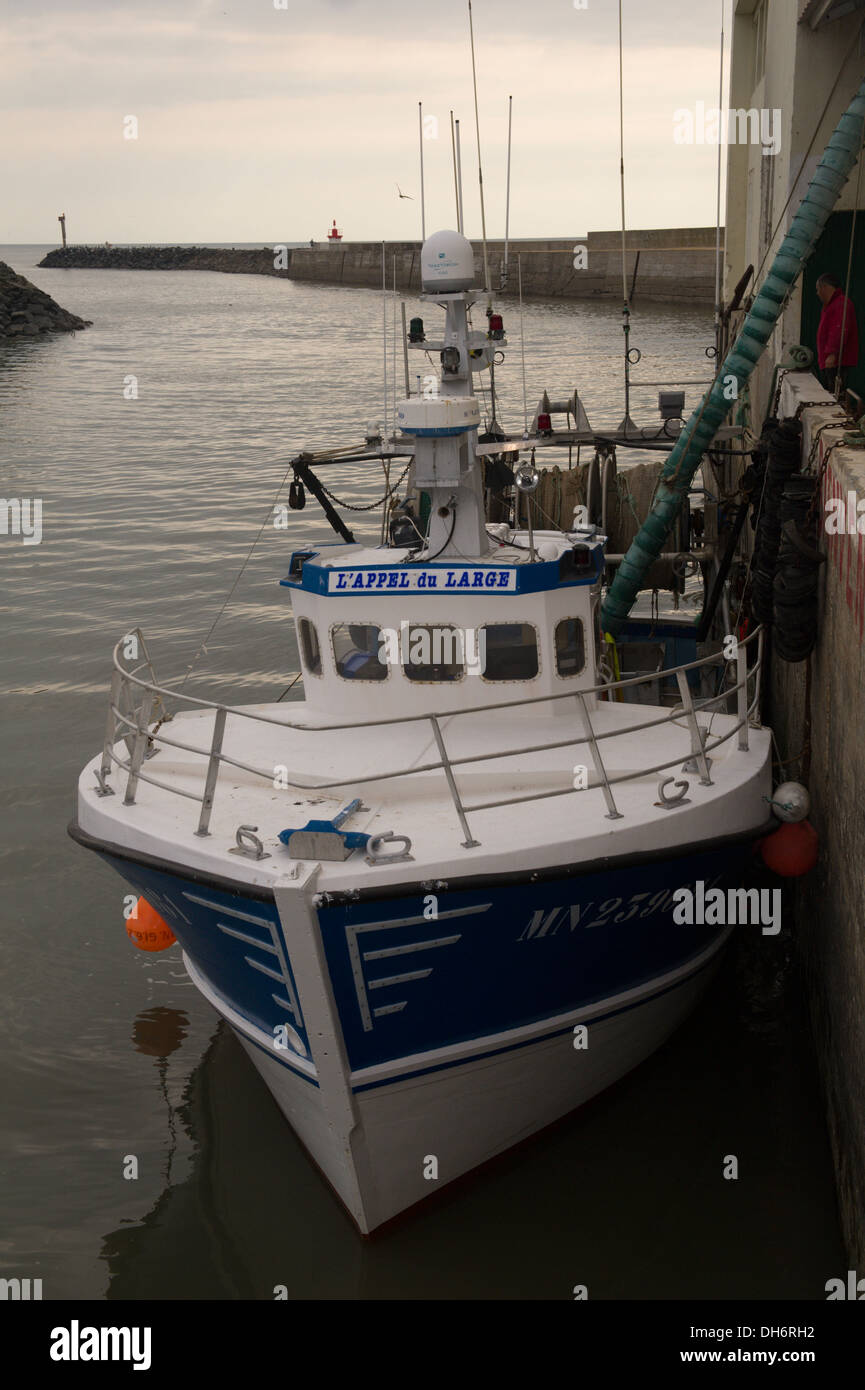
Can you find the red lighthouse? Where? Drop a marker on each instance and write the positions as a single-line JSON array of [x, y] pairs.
[[334, 236]]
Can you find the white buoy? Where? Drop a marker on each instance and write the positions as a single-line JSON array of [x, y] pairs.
[[791, 802]]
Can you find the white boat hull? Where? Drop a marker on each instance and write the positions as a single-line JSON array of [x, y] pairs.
[[416, 1134]]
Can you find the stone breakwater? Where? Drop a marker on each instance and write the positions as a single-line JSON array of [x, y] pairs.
[[227, 261], [674, 265], [26, 312]]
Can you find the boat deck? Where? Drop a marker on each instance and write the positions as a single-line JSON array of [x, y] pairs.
[[537, 818]]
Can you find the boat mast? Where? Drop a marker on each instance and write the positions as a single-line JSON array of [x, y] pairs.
[[444, 420]]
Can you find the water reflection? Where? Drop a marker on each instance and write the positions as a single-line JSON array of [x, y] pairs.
[[625, 1195]]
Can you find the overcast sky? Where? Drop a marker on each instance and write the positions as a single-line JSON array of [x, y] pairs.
[[258, 123]]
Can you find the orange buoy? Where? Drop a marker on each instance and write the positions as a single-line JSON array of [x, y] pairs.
[[146, 929], [791, 850]]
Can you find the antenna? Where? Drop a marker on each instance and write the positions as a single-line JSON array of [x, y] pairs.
[[394, 350], [504, 278], [627, 423], [405, 350], [384, 336], [523, 349], [480, 169], [422, 202], [459, 180], [456, 180]]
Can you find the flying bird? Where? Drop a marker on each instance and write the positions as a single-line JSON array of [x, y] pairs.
[[404, 195]]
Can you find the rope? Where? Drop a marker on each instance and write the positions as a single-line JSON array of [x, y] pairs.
[[289, 686], [625, 495], [268, 515], [820, 475], [758, 512], [385, 465], [203, 645]]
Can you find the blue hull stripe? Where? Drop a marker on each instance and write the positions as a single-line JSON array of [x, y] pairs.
[[507, 1047], [483, 972]]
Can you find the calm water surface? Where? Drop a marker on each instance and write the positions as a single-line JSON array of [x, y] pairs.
[[150, 507]]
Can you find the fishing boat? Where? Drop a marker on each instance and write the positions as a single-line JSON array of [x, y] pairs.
[[435, 897]]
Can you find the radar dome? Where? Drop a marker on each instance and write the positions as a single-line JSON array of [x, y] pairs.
[[447, 263]]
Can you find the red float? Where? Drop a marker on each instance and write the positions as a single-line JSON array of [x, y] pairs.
[[147, 930], [791, 850]]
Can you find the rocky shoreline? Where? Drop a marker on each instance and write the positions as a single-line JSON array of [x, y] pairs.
[[25, 311], [223, 259]]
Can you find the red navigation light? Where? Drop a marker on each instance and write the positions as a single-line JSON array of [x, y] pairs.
[[545, 424]]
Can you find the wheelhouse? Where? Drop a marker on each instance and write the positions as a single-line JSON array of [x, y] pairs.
[[517, 625]]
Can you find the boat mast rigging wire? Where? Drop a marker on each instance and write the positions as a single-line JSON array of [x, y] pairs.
[[504, 275], [384, 336], [626, 310], [268, 518], [523, 347], [393, 374], [718, 201], [422, 196], [460, 214], [456, 181], [480, 168]]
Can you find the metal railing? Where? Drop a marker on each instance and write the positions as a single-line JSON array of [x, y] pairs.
[[138, 727]]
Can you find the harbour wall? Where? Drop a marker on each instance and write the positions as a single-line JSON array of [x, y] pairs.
[[829, 921], [226, 260], [674, 265]]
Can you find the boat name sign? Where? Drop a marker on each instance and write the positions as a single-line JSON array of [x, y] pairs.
[[441, 578]]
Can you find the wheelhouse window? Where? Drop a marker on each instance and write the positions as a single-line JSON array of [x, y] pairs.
[[433, 653], [570, 647], [310, 651], [358, 651], [511, 652]]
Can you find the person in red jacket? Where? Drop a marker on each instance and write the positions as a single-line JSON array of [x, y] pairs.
[[837, 310]]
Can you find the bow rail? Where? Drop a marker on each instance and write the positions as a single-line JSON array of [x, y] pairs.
[[138, 710]]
